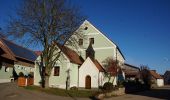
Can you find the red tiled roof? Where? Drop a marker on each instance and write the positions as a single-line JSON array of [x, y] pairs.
[[71, 55], [98, 65], [131, 73], [155, 75]]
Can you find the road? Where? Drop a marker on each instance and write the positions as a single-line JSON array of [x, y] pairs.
[[9, 91]]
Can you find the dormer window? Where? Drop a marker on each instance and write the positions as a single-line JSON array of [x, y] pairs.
[[91, 40], [80, 42]]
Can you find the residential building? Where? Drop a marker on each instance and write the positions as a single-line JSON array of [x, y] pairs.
[[156, 78], [131, 72], [14, 59], [167, 77]]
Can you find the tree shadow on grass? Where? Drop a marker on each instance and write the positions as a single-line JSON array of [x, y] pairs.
[[161, 93]]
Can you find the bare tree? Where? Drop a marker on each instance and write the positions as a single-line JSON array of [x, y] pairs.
[[145, 75], [45, 23]]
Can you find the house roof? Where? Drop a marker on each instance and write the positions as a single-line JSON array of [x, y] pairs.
[[98, 65], [132, 66], [19, 51], [155, 75], [71, 55], [5, 52], [131, 73], [167, 72], [38, 53]]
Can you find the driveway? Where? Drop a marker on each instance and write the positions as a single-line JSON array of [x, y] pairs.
[[162, 93], [9, 91]]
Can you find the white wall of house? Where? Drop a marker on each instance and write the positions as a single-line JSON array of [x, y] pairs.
[[160, 82], [5, 74], [24, 69], [88, 68]]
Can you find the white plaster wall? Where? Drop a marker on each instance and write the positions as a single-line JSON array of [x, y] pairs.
[[5, 80], [88, 68], [160, 82]]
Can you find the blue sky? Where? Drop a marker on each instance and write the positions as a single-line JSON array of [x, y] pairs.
[[141, 28]]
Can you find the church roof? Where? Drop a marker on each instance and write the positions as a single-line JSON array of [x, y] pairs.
[[71, 55], [98, 65]]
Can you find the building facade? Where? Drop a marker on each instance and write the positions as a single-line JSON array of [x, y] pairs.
[[83, 67]]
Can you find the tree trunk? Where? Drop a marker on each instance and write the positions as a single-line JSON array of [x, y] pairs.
[[46, 81]]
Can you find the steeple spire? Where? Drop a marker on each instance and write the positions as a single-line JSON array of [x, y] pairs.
[[90, 51]]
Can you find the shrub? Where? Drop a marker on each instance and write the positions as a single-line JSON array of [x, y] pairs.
[[21, 74], [108, 86]]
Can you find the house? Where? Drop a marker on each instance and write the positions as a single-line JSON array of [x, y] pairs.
[[14, 59], [167, 77], [156, 78], [83, 67], [131, 72]]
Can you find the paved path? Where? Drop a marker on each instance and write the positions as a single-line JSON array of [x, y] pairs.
[[162, 93], [9, 91]]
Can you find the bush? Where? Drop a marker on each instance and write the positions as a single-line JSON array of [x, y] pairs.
[[108, 86], [21, 74]]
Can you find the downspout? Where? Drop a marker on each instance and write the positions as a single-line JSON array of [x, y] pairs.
[[78, 77]]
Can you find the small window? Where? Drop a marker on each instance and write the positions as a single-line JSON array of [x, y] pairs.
[[80, 41], [91, 40], [56, 71], [85, 28]]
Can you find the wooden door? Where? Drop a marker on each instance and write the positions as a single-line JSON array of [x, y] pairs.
[[88, 82]]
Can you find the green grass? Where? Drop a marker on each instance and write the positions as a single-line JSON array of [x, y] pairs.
[[63, 92]]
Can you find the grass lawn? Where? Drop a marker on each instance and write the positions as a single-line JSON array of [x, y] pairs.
[[63, 92]]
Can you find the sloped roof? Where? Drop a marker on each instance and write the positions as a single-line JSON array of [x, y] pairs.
[[5, 52], [20, 51], [167, 72], [38, 53], [71, 54], [155, 75], [130, 66], [98, 65]]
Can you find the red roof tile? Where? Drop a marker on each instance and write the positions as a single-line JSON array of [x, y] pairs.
[[71, 55], [98, 65], [155, 75]]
